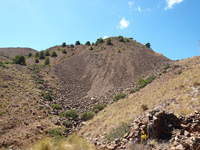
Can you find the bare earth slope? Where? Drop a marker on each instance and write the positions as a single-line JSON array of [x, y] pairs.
[[95, 76], [12, 52]]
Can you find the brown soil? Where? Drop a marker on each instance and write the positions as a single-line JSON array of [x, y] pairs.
[[12, 52], [96, 76]]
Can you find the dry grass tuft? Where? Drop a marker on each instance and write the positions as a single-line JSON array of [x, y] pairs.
[[73, 142]]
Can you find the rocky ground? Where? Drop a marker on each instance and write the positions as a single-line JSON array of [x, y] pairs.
[[180, 133]]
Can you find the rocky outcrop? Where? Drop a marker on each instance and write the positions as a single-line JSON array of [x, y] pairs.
[[160, 125]]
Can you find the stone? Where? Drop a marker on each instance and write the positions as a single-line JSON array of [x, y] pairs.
[[110, 147], [179, 147]]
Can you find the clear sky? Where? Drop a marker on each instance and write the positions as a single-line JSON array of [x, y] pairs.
[[171, 26]]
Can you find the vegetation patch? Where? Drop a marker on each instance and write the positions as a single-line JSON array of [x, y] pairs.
[[118, 132], [87, 116], [120, 38], [57, 133], [98, 108], [70, 114], [19, 59], [144, 107], [67, 124], [56, 106], [119, 96]]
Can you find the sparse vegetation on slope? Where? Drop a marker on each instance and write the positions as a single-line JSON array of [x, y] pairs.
[[182, 87]]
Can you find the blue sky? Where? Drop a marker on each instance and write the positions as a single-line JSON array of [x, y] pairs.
[[171, 26]]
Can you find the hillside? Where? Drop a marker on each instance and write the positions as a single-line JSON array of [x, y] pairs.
[[12, 52], [178, 88], [88, 77], [34, 96]]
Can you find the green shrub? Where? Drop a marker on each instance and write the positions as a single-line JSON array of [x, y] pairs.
[[63, 44], [141, 83], [47, 97], [119, 51], [119, 96], [127, 40], [53, 54], [180, 71], [132, 91], [167, 66], [100, 40], [57, 133], [87, 116], [19, 59], [77, 43], [148, 45], [36, 54], [150, 79], [71, 46], [67, 124], [144, 107], [88, 43], [41, 55], [120, 38], [118, 132], [98, 108], [91, 48], [36, 60], [64, 51], [47, 61], [70, 114], [108, 41], [47, 53], [176, 66], [56, 106], [30, 54]]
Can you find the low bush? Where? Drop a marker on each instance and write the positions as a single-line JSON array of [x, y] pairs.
[[150, 79], [118, 132], [144, 107], [91, 48], [70, 114], [47, 61], [108, 41], [64, 51], [87, 116], [120, 38], [148, 45], [30, 54], [141, 83], [19, 59], [98, 108], [56, 106], [119, 96], [77, 43], [47, 97], [41, 55], [36, 54], [88, 43], [57, 133], [53, 54], [71, 46], [47, 53], [167, 66], [63, 44], [67, 124], [36, 60]]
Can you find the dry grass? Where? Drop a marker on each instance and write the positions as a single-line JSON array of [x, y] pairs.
[[73, 142], [169, 85]]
